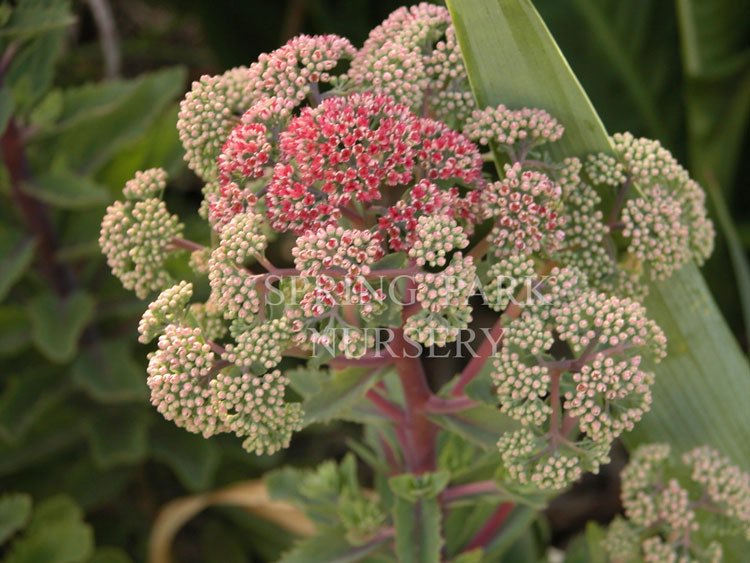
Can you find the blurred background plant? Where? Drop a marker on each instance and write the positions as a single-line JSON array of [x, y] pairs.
[[74, 413]]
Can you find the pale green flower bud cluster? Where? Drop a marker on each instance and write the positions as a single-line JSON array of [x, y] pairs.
[[207, 115], [673, 508], [576, 405], [414, 57], [167, 308], [254, 408], [146, 184], [135, 237]]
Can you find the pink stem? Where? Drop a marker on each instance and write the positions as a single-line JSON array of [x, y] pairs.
[[185, 244], [389, 409], [419, 431], [439, 405], [491, 527], [474, 367], [458, 492]]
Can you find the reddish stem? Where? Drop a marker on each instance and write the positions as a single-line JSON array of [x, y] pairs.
[[458, 492], [474, 367], [419, 431], [34, 212], [185, 244], [389, 409], [554, 392], [491, 527], [439, 405]]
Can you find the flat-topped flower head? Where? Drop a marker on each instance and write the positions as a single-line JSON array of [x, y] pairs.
[[168, 308], [294, 70], [529, 465], [146, 184], [179, 376], [661, 212], [135, 237], [338, 154], [524, 206], [516, 131], [675, 512], [726, 484], [253, 407], [598, 386], [208, 113]]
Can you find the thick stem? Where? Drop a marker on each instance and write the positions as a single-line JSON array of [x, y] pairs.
[[420, 433]]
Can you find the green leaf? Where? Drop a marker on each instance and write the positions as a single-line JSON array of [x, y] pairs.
[[159, 147], [67, 190], [736, 251], [514, 527], [712, 32], [31, 72], [337, 391], [16, 254], [57, 431], [56, 534], [481, 425], [57, 323], [6, 107], [14, 329], [415, 487], [15, 509], [109, 374], [25, 398], [118, 437], [702, 385], [97, 121], [417, 516], [193, 458], [109, 555], [34, 17], [329, 546]]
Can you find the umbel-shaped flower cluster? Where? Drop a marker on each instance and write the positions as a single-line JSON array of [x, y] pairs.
[[676, 509], [375, 175]]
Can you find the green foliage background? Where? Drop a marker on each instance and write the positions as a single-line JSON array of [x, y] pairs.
[[91, 462]]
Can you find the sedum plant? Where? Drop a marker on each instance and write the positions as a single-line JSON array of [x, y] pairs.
[[353, 229]]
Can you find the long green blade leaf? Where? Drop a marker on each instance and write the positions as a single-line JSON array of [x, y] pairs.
[[703, 385]]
